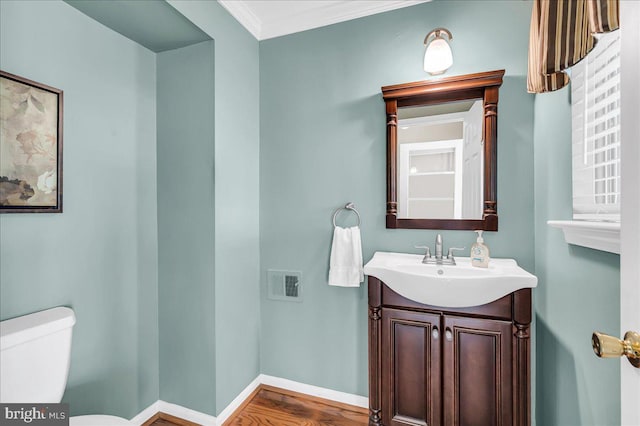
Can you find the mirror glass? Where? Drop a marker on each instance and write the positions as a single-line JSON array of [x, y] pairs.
[[440, 161], [442, 158]]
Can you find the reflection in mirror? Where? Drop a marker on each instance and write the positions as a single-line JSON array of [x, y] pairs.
[[442, 137], [440, 161]]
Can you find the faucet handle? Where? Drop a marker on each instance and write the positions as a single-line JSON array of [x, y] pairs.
[[451, 249], [427, 250]]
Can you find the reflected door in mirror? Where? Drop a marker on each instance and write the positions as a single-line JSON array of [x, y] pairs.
[[440, 161]]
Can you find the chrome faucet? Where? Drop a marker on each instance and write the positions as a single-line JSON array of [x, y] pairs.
[[439, 248], [438, 259]]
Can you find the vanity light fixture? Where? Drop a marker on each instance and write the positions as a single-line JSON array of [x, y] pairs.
[[437, 55]]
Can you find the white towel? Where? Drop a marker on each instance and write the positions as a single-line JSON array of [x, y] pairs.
[[345, 267]]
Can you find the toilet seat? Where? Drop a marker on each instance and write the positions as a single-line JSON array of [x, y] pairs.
[[98, 421]]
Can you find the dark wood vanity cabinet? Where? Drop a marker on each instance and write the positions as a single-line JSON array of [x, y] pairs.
[[448, 366]]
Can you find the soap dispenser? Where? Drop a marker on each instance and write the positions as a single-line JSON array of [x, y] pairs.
[[480, 252]]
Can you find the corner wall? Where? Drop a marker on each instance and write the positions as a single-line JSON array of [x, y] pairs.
[[100, 256], [237, 148], [186, 237], [578, 290]]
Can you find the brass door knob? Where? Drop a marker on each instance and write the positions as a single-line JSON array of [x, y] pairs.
[[606, 346]]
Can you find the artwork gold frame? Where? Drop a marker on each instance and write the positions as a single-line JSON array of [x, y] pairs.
[[30, 146]]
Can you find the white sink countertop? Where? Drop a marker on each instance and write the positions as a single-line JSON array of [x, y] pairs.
[[452, 286]]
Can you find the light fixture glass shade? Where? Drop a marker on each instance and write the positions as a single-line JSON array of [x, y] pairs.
[[437, 56]]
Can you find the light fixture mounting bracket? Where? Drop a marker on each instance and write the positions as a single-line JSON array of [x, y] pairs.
[[437, 33]]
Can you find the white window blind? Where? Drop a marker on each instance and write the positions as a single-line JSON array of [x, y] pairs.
[[595, 110]]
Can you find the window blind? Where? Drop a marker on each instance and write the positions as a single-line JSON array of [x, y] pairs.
[[595, 111]]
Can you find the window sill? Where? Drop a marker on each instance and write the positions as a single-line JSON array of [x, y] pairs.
[[603, 236]]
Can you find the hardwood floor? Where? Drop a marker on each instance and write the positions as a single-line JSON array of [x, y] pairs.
[[274, 406], [163, 419], [270, 406]]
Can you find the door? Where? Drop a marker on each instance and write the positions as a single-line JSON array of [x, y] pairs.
[[630, 206], [477, 374], [473, 163], [410, 368]]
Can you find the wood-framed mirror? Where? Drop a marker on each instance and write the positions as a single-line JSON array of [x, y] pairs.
[[442, 152]]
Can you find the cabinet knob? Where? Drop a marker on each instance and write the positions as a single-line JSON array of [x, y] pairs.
[[448, 334], [606, 346], [435, 333]]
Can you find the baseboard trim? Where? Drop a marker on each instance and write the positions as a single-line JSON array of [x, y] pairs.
[[146, 414], [263, 379], [174, 410], [238, 401], [333, 395], [186, 413]]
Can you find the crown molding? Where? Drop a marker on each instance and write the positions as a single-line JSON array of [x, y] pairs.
[[243, 14], [312, 17], [315, 18]]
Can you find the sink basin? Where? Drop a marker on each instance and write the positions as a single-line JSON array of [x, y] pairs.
[[452, 286]]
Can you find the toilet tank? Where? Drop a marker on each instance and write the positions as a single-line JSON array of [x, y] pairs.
[[35, 350]]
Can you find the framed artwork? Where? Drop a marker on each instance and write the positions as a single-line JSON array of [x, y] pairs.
[[30, 146]]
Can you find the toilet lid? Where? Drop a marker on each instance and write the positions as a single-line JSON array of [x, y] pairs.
[[98, 421]]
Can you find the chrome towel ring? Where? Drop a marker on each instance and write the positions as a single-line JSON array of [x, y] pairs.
[[348, 206]]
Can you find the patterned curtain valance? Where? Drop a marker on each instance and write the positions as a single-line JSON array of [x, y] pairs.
[[561, 35]]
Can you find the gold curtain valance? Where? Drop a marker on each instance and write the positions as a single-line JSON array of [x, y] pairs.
[[561, 35]]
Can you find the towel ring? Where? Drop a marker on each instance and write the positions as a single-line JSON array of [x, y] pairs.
[[348, 206]]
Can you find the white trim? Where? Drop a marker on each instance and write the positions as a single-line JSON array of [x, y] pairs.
[[208, 420], [146, 414], [330, 394], [174, 410], [603, 236], [244, 15], [183, 413], [630, 205], [237, 401], [313, 17]]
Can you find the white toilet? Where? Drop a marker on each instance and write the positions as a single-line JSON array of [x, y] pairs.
[[35, 351]]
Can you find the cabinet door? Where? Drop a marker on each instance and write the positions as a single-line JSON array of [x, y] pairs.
[[411, 377], [477, 372]]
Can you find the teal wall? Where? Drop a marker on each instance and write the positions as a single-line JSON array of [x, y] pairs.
[[185, 113], [277, 134], [323, 143], [578, 290], [100, 256], [237, 148]]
